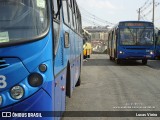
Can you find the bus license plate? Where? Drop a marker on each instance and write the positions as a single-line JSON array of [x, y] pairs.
[[148, 56]]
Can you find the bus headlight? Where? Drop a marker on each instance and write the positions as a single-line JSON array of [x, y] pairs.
[[1, 100], [151, 52], [17, 92], [35, 79], [120, 52]]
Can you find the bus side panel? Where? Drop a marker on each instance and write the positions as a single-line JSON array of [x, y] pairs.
[[72, 59], [60, 93], [60, 67], [78, 49]]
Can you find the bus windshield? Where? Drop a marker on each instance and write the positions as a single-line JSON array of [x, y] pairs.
[[22, 20], [136, 36]]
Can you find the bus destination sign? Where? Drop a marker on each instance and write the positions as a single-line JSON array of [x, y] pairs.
[[138, 24]]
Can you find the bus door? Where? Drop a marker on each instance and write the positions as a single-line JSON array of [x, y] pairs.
[[112, 44], [59, 81], [108, 49], [116, 43]]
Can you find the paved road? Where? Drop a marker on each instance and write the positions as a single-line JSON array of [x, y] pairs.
[[107, 86]]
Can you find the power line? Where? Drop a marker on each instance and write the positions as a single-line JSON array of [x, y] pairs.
[[145, 8], [89, 19], [156, 5], [144, 4], [91, 22], [148, 13], [143, 17], [95, 17]]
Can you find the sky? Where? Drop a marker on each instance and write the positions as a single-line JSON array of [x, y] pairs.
[[114, 11]]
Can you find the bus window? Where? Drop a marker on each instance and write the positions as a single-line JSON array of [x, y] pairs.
[[145, 36], [29, 18], [65, 12], [127, 37], [71, 18], [56, 24]]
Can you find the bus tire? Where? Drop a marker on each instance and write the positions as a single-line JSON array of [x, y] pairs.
[[110, 57], [144, 62], [118, 61], [79, 79], [78, 82], [68, 81]]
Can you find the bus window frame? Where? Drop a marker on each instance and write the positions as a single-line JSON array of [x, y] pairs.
[[77, 22], [57, 21], [67, 5]]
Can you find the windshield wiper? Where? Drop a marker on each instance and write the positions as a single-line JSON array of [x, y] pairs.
[[143, 31]]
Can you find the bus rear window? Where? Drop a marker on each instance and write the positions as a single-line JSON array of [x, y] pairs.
[[22, 20]]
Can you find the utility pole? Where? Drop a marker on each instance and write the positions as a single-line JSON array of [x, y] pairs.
[[139, 14], [153, 10]]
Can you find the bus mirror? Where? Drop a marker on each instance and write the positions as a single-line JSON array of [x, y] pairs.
[[116, 32], [156, 37], [57, 13]]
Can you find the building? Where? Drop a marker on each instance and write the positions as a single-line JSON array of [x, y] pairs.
[[98, 33], [99, 37]]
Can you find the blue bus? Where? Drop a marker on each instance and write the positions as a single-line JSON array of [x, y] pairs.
[[41, 50], [157, 49], [131, 40]]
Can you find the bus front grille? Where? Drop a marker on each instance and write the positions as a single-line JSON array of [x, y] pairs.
[[136, 48], [3, 63]]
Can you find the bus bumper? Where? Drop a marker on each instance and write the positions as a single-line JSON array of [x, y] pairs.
[[136, 57], [37, 103]]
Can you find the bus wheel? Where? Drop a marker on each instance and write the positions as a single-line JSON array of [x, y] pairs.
[[110, 57], [118, 61], [144, 62], [78, 82]]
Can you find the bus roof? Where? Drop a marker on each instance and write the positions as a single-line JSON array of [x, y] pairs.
[[132, 23]]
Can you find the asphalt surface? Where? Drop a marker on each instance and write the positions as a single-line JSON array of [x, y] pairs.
[[107, 86]]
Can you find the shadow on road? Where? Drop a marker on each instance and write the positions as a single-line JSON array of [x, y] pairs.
[[103, 60], [99, 62], [107, 62], [131, 63], [154, 64]]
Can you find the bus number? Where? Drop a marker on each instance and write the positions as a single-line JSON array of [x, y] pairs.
[[3, 83]]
